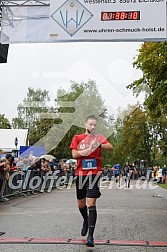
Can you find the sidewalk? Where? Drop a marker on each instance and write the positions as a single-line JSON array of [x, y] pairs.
[[123, 214]]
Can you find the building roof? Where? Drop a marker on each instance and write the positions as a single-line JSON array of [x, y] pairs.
[[7, 138]]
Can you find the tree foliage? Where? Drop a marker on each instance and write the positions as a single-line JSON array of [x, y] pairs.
[[152, 61], [136, 135], [4, 122], [119, 152], [28, 111]]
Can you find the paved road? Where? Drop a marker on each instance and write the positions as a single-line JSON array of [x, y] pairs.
[[123, 214]]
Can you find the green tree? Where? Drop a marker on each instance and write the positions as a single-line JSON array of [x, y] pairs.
[[159, 136], [119, 152], [4, 122], [28, 111], [136, 135], [152, 61]]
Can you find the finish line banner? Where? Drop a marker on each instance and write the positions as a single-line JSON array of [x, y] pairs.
[[107, 20]]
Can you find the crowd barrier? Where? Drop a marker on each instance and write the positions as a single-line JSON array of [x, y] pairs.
[[31, 181]]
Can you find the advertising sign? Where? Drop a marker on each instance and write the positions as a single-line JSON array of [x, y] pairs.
[[32, 150], [105, 20]]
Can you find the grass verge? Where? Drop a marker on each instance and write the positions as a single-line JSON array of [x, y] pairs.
[[163, 186]]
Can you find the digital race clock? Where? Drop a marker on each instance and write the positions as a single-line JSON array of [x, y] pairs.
[[120, 15]]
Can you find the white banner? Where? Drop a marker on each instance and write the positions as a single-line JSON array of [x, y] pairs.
[[107, 20], [87, 20]]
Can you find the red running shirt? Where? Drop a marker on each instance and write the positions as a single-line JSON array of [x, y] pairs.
[[81, 142]]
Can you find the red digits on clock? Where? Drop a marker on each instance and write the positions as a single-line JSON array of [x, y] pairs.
[[110, 16], [135, 15], [117, 15], [130, 15], [104, 17], [122, 15]]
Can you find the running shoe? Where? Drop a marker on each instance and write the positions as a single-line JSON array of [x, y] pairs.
[[84, 228], [90, 242]]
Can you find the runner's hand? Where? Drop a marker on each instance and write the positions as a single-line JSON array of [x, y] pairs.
[[94, 144]]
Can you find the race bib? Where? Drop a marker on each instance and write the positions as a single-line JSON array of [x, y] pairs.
[[89, 164]]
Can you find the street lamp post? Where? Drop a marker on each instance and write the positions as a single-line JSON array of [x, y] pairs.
[[16, 143]]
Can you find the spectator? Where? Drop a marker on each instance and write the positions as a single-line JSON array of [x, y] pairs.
[[117, 172], [164, 172], [159, 174], [18, 163], [126, 172], [149, 173], [155, 173], [109, 173], [5, 168], [2, 167], [51, 164]]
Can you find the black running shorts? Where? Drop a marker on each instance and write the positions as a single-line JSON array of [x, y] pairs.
[[88, 186]]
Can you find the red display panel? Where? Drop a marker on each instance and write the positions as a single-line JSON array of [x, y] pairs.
[[120, 15]]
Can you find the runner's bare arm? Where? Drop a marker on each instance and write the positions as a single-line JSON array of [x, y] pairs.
[[81, 153], [85, 152], [107, 146]]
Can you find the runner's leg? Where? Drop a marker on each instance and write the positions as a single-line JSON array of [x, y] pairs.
[[91, 220], [84, 212]]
